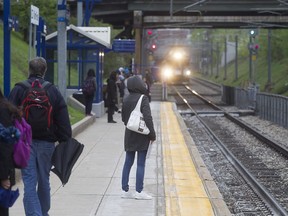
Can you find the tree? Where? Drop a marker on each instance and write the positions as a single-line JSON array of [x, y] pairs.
[[47, 10]]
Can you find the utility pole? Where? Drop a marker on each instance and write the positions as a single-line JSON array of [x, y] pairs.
[[236, 57], [7, 48], [62, 47], [269, 57]]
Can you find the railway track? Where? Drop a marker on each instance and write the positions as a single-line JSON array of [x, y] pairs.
[[262, 183]]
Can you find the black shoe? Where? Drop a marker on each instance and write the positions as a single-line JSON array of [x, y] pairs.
[[112, 121]]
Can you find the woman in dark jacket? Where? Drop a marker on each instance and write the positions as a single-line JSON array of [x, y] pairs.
[[89, 93], [111, 100], [136, 142], [8, 113]]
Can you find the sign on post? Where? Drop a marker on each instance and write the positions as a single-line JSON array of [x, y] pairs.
[[34, 15], [34, 21]]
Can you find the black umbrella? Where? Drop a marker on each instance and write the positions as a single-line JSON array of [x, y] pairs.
[[64, 157]]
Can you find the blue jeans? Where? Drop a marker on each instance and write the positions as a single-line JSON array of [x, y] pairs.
[[36, 179], [129, 160]]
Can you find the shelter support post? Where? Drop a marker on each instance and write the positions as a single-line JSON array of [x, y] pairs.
[[138, 39]]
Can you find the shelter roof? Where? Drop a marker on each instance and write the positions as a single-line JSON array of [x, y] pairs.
[[86, 35]]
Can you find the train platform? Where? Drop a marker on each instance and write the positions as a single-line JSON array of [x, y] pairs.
[[175, 174]]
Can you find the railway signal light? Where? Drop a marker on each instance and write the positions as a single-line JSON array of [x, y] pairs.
[[253, 32], [149, 32], [254, 48]]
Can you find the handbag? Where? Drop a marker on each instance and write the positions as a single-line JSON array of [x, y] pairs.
[[136, 121]]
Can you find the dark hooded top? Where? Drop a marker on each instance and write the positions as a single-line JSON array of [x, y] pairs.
[[112, 90], [134, 141], [7, 169]]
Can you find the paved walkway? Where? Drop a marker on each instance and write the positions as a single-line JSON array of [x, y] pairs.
[[94, 187], [175, 174]]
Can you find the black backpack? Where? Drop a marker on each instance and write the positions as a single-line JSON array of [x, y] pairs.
[[88, 87], [36, 106]]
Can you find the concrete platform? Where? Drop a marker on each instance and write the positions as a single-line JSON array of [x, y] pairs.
[[94, 187]]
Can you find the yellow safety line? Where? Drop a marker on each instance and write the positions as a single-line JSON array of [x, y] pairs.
[[184, 191]]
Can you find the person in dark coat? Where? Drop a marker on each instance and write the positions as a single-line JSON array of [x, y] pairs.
[[8, 113], [37, 174], [136, 142], [111, 99], [87, 95]]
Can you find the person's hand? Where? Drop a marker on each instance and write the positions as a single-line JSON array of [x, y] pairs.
[[5, 183]]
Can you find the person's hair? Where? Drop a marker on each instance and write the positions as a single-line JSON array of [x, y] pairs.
[[37, 66], [91, 73], [16, 113]]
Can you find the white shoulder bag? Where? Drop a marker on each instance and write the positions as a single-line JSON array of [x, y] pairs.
[[136, 121]]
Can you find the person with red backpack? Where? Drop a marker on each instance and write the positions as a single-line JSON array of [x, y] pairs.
[[45, 109]]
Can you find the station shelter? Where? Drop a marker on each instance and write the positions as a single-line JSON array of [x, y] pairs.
[[85, 50]]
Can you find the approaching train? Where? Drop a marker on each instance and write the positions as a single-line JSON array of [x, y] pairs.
[[176, 65]]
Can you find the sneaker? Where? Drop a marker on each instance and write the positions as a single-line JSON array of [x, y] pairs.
[[142, 196], [112, 121], [127, 195]]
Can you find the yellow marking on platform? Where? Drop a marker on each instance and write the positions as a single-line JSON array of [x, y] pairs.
[[184, 191]]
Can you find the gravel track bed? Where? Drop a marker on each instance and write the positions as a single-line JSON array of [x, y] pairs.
[[239, 197]]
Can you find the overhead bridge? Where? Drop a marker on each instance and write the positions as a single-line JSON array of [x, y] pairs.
[[215, 21], [187, 13]]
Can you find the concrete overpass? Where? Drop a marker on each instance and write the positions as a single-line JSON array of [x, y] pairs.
[[191, 14]]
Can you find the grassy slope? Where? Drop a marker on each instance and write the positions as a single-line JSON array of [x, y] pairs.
[[279, 75], [19, 66]]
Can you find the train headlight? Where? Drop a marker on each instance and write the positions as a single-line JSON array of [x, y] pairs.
[[187, 73], [167, 73]]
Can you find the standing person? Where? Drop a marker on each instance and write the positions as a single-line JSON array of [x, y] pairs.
[[136, 142], [111, 92], [8, 113], [89, 89], [148, 93], [149, 78], [36, 176]]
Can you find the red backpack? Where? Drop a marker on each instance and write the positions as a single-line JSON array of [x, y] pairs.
[[37, 109]]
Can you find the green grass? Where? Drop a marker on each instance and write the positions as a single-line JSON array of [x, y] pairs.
[[279, 75], [75, 115], [19, 67]]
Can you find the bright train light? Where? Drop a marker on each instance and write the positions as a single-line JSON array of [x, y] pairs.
[[177, 55], [187, 73], [167, 72]]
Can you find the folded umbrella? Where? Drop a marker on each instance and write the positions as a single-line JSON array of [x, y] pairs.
[[64, 158]]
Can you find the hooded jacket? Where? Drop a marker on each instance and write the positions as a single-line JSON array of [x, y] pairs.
[[134, 141], [7, 170], [112, 90]]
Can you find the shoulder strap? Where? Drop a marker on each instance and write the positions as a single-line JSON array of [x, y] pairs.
[[46, 85], [138, 105], [25, 84]]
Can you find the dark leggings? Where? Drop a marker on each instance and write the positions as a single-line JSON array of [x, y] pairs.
[[110, 112], [88, 103], [4, 211]]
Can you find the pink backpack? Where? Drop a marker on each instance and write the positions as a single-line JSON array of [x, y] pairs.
[[21, 153]]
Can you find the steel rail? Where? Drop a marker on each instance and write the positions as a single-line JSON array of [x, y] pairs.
[[273, 204]]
